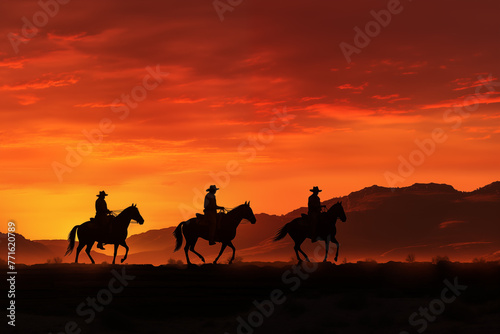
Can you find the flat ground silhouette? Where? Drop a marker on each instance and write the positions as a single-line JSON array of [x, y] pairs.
[[318, 298]]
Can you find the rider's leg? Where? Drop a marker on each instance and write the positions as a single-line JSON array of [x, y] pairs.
[[314, 227], [212, 221], [104, 222]]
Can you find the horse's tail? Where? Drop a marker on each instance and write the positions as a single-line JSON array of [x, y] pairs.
[[178, 236], [71, 239], [281, 233]]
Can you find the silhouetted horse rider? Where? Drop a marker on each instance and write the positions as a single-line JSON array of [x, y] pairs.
[[314, 210], [210, 211], [102, 213]]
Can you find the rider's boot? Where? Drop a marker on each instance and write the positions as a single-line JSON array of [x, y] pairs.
[[100, 246]]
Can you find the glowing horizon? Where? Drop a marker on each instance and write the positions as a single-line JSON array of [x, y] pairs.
[[167, 99]]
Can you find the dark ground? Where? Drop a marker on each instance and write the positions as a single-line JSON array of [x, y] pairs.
[[348, 298]]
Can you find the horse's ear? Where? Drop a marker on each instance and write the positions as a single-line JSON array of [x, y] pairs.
[[248, 203]]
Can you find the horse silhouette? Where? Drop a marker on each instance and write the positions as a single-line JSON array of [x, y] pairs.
[[193, 230], [88, 233], [299, 229]]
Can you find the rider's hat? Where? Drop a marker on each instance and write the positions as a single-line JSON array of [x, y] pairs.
[[315, 189], [102, 193], [213, 187]]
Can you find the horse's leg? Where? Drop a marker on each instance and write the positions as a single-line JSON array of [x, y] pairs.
[[298, 249], [186, 250], [338, 246], [87, 250], [221, 251], [78, 250], [114, 255], [124, 244], [302, 252], [297, 253], [305, 255], [192, 250], [327, 246], [230, 244]]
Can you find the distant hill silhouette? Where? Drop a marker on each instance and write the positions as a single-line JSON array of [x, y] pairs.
[[382, 223], [36, 251], [490, 189]]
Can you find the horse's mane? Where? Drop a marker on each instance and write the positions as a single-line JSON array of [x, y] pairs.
[[336, 205], [237, 207], [128, 208]]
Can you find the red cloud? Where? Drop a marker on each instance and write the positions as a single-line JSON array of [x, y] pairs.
[[450, 222], [351, 87], [41, 84], [459, 245]]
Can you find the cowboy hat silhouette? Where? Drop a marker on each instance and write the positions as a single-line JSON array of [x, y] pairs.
[[315, 189], [212, 188]]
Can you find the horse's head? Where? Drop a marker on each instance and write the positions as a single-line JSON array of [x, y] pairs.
[[247, 212], [338, 211], [134, 214]]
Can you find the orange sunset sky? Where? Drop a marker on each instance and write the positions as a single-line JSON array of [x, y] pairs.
[[266, 93]]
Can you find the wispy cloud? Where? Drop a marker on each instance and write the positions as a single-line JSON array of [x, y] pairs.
[[348, 86], [449, 223], [459, 245], [26, 100], [99, 105], [41, 84]]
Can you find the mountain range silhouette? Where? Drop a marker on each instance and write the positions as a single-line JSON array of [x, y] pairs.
[[384, 224]]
